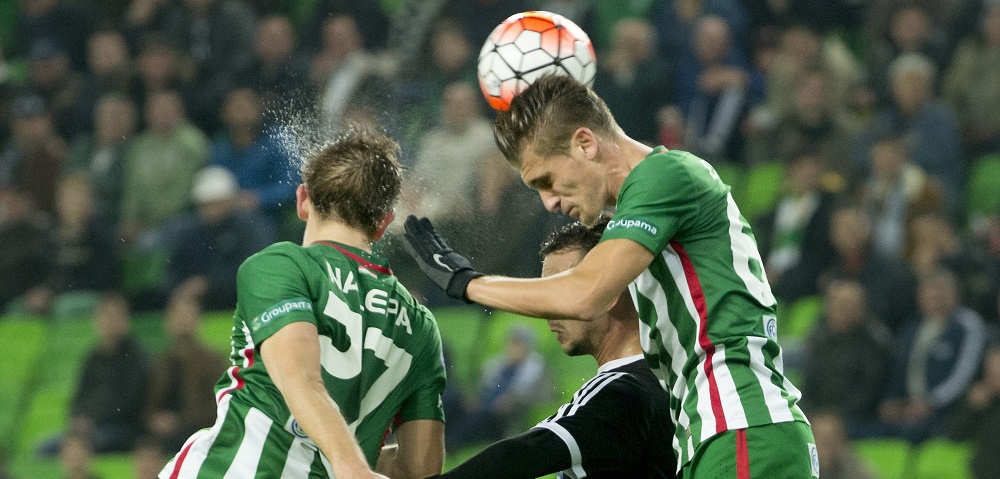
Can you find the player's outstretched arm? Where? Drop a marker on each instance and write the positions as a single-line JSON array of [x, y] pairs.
[[532, 454], [291, 356], [420, 450]]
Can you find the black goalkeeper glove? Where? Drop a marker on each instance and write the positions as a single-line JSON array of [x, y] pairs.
[[450, 270]]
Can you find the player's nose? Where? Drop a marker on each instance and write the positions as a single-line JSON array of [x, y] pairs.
[[550, 201]]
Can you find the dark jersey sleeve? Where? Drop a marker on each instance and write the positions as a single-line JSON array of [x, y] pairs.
[[535, 453]]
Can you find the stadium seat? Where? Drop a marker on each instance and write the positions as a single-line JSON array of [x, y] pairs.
[[21, 340], [796, 322], [981, 198], [939, 458], [760, 190], [886, 456]]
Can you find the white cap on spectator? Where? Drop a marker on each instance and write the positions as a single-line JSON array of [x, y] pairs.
[[214, 183]]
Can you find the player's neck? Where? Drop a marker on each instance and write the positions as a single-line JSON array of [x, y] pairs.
[[626, 154], [335, 231], [619, 342]]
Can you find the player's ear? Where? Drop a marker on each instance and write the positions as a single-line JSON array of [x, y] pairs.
[[302, 203], [384, 224], [583, 142]]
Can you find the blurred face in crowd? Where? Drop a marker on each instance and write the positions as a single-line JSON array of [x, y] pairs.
[[911, 89], [711, 40], [575, 337], [183, 316], [801, 45], [106, 52], [243, 110], [158, 66], [931, 231], [32, 133], [991, 369], [459, 106], [851, 231], [114, 119], [15, 205], [74, 199], [811, 100], [888, 159], [164, 111], [937, 297], [75, 455], [845, 305], [991, 25], [450, 49], [340, 36], [148, 461], [37, 8], [274, 40], [804, 174], [831, 438], [634, 39], [199, 6], [910, 28], [518, 347], [111, 320], [49, 73], [213, 212]]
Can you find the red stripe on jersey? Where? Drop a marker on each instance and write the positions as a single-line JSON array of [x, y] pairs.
[[357, 259], [742, 455], [180, 460], [698, 295], [234, 372]]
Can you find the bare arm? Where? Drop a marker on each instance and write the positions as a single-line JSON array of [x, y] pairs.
[[583, 292], [420, 452], [292, 359]]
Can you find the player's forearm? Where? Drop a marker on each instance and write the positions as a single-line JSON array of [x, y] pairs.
[[321, 420], [535, 453], [554, 297]]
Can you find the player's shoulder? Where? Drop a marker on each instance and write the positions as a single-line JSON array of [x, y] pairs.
[[422, 319], [636, 380]]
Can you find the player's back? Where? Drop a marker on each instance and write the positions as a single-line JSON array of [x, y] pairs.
[[380, 351]]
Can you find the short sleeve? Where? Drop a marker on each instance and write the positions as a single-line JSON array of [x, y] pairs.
[[272, 292], [425, 401], [659, 197]]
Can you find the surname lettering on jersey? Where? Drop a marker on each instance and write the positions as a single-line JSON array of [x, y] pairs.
[[345, 283], [376, 301]]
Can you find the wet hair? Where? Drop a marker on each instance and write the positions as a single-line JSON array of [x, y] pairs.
[[355, 179], [575, 237], [546, 114]]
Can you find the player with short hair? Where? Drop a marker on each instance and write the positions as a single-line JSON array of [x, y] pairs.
[[624, 401], [329, 350], [679, 243]]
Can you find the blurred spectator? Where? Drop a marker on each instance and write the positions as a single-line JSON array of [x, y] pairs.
[[8, 87], [813, 123], [111, 391], [847, 359], [978, 419], [148, 458], [102, 154], [836, 456], [76, 456], [266, 175], [822, 15], [346, 75], [480, 17], [605, 15], [896, 192], [444, 180], [52, 77], [933, 243], [217, 36], [941, 356], [83, 256], [794, 237], [715, 87], [911, 31], [803, 51], [160, 67], [577, 11], [34, 157], [972, 85], [24, 240], [930, 128], [66, 23], [888, 283], [182, 380], [160, 166], [373, 22], [279, 74], [949, 20], [109, 71], [633, 81], [675, 22], [207, 247], [511, 383]]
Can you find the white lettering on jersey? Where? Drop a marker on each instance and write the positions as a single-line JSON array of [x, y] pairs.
[[345, 284], [375, 301], [403, 319], [341, 364]]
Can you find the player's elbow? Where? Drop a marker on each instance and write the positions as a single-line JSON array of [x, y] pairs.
[[591, 304]]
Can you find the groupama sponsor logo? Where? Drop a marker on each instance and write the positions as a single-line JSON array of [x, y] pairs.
[[628, 224], [296, 304]]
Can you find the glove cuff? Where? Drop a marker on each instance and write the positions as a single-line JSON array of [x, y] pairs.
[[460, 282]]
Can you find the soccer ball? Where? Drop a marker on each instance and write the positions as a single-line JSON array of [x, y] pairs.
[[528, 45]]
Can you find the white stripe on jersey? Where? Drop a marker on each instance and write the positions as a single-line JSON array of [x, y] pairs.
[[256, 426], [299, 460], [593, 392], [576, 469], [777, 405], [245, 353], [587, 386], [735, 416], [200, 443]]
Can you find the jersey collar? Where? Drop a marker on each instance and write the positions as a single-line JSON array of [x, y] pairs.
[[370, 261], [617, 363]]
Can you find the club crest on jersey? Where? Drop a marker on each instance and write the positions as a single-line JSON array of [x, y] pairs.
[[813, 460], [771, 327], [630, 224]]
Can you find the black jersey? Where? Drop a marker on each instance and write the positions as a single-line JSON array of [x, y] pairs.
[[617, 425]]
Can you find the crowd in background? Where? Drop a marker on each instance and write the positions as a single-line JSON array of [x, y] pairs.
[[148, 147]]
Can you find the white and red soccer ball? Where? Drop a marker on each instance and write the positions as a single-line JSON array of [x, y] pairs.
[[527, 46]]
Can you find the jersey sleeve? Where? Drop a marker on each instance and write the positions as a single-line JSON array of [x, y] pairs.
[[659, 197], [532, 454], [272, 292], [425, 401]]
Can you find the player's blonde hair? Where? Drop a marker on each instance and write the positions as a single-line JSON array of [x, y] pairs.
[[355, 179]]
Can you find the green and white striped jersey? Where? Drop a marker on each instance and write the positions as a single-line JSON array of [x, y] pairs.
[[380, 355], [707, 315]]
